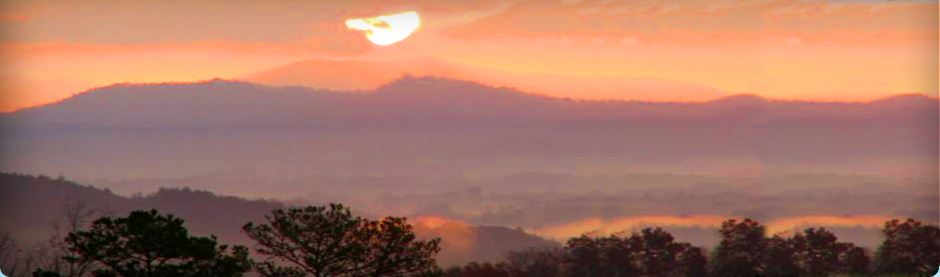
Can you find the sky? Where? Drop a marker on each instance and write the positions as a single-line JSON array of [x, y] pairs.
[[630, 50]]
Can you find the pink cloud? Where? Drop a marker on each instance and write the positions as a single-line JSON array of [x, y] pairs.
[[706, 21], [13, 18]]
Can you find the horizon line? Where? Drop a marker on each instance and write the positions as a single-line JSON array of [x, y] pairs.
[[407, 76]]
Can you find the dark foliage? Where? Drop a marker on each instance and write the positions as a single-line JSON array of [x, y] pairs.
[[475, 269], [744, 251], [740, 250], [330, 241], [780, 257], [146, 243], [536, 263], [330, 238], [820, 253], [652, 252], [909, 247], [692, 261]]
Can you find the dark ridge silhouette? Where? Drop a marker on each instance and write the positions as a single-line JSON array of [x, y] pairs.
[[30, 204], [220, 101]]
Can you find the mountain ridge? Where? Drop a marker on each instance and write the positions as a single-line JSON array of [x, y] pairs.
[[452, 126], [41, 199], [447, 82]]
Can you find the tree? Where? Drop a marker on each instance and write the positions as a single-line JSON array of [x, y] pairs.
[[740, 251], [9, 254], [692, 261], [587, 256], [55, 254], [146, 243], [854, 260], [818, 251], [475, 269], [780, 257], [620, 254], [652, 252], [909, 247], [658, 252], [536, 263], [329, 241]]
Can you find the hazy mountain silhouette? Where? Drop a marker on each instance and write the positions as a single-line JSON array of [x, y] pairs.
[[348, 75], [420, 126], [358, 75], [414, 146]]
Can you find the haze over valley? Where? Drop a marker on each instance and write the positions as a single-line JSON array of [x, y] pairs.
[[485, 138], [480, 155]]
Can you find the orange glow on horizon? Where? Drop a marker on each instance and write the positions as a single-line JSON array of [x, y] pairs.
[[602, 226], [457, 237], [784, 225], [666, 51], [789, 224]]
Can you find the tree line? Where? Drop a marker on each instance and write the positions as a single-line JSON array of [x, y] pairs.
[[330, 241], [911, 248]]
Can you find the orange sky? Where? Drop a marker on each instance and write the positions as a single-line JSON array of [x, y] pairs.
[[646, 50]]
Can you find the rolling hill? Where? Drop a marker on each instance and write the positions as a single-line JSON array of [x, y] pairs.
[[30, 205], [423, 126], [489, 155]]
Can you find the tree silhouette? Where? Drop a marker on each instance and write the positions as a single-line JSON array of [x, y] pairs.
[[146, 243], [329, 241], [8, 253], [587, 256], [854, 260], [780, 257], [818, 250], [475, 269], [658, 251], [743, 251], [536, 263], [692, 261], [55, 254], [740, 251], [652, 252], [620, 255], [909, 247]]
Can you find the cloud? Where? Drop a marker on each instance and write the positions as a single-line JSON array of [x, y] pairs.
[[458, 238], [236, 47], [35, 74], [13, 18], [334, 38], [189, 21], [705, 21], [790, 224]]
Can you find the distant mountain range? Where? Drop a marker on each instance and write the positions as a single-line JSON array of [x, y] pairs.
[[481, 154], [365, 75], [424, 126]]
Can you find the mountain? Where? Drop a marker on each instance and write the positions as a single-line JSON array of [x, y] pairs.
[[491, 156], [30, 204], [364, 75], [348, 75], [424, 126]]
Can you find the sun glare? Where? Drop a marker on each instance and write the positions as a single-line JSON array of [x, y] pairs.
[[386, 29]]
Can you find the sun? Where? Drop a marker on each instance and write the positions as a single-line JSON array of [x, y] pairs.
[[386, 29]]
